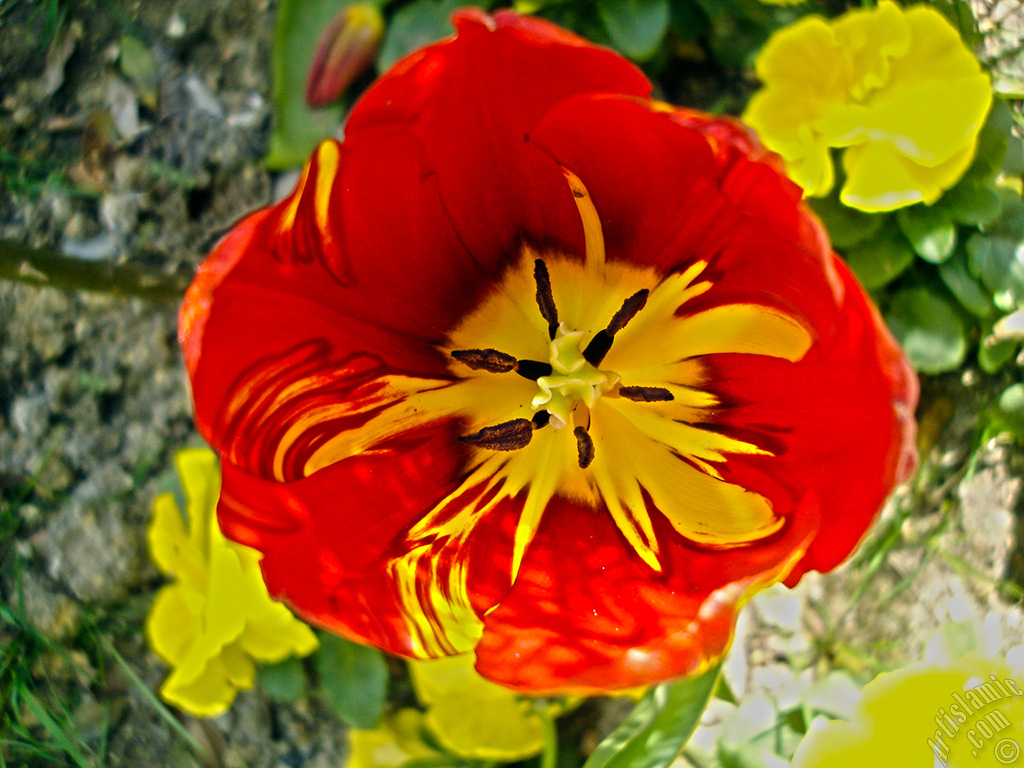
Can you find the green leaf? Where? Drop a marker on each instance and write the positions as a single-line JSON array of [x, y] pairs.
[[1011, 409], [971, 202], [846, 226], [880, 260], [415, 25], [994, 354], [998, 260], [284, 681], [635, 27], [929, 329], [992, 141], [968, 291], [297, 129], [355, 679], [659, 726], [929, 231]]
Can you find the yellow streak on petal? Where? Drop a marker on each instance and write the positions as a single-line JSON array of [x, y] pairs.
[[327, 157], [407, 403], [702, 508], [290, 211], [547, 472], [592, 231], [750, 329], [437, 611]]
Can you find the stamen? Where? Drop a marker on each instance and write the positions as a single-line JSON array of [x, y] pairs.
[[646, 394], [602, 341], [485, 359], [584, 447], [545, 298], [509, 436], [533, 369], [629, 309]]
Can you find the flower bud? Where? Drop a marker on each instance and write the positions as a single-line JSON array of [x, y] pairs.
[[344, 52]]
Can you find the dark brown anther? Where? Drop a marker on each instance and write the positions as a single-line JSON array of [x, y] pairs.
[[584, 447], [602, 341], [533, 369], [510, 436], [490, 360], [627, 311], [646, 394], [545, 298]]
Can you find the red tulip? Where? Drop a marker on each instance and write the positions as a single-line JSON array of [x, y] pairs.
[[534, 367]]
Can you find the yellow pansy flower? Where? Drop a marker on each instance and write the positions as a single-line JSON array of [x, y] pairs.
[[967, 713], [896, 89], [215, 619], [472, 716]]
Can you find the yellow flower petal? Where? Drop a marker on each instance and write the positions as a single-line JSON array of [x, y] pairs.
[[276, 634], [474, 717], [172, 624], [487, 729], [207, 694], [916, 121], [200, 476], [240, 670], [398, 740], [871, 39], [957, 715], [880, 179], [167, 535], [783, 61]]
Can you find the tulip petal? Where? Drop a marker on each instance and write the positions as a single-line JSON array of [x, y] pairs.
[[472, 102], [584, 616], [333, 568], [700, 192]]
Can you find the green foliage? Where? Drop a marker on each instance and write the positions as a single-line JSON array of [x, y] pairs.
[[659, 726], [354, 678], [635, 27], [413, 26], [879, 260], [928, 328], [297, 129], [284, 681]]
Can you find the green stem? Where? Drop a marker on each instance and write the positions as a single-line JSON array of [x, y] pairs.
[[39, 266], [549, 757]]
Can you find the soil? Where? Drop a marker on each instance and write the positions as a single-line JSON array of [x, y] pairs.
[[148, 170]]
